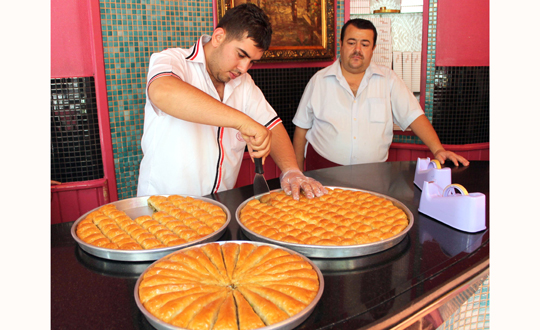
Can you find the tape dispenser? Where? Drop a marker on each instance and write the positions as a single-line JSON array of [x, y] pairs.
[[430, 170], [464, 211]]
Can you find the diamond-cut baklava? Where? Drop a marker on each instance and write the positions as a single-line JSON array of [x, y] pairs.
[[177, 220], [341, 217]]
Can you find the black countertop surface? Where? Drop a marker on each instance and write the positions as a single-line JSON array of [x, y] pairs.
[[88, 292]]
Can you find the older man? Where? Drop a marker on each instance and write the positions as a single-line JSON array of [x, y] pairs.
[[347, 111]]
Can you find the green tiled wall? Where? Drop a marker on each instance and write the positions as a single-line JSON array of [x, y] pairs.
[[473, 314], [430, 71], [132, 31], [340, 21]]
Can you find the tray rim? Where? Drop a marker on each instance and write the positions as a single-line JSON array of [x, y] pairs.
[[338, 251], [151, 254], [287, 324], [103, 267]]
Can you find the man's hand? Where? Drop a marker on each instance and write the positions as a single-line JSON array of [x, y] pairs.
[[291, 182], [258, 139], [442, 155]]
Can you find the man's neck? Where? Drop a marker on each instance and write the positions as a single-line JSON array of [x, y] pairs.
[[219, 85], [353, 79]]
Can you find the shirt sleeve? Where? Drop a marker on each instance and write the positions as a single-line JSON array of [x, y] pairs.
[[405, 106], [165, 63], [304, 113], [257, 107]]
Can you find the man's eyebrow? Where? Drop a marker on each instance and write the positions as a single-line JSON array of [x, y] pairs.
[[244, 52], [247, 55], [359, 40]]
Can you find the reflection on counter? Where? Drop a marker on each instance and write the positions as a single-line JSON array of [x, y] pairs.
[[450, 240], [364, 263], [346, 277], [121, 269]]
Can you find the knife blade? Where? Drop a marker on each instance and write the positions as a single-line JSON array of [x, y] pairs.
[[260, 186]]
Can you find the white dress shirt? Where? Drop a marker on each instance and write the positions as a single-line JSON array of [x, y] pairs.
[[348, 129], [182, 157]]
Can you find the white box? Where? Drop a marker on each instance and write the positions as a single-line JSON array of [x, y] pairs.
[[381, 21], [398, 63], [382, 30], [412, 9], [411, 3], [384, 40], [383, 48], [416, 71], [407, 69]]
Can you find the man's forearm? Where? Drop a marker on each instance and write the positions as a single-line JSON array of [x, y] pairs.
[[184, 101], [424, 130], [299, 145], [282, 151], [181, 100]]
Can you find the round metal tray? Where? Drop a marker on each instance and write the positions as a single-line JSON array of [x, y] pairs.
[[136, 207], [345, 251], [111, 268], [345, 266], [288, 324]]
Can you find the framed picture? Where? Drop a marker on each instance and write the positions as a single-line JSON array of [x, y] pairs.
[[303, 30]]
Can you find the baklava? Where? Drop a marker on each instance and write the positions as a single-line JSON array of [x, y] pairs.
[[176, 220], [341, 217], [228, 286]]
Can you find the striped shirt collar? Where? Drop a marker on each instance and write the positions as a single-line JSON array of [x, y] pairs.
[[197, 51], [197, 56]]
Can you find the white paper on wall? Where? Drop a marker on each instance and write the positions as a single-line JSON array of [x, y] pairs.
[[397, 62], [407, 69], [416, 71]]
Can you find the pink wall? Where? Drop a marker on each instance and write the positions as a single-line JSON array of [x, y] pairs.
[[71, 46], [462, 33], [77, 51]]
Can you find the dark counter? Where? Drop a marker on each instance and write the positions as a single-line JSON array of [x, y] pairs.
[[434, 264]]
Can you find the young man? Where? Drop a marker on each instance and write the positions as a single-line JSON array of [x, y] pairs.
[[202, 108], [347, 110]]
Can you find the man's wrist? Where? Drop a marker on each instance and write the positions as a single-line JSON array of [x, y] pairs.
[[438, 151], [289, 171]]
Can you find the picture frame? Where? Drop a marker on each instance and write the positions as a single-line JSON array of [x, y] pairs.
[[303, 30]]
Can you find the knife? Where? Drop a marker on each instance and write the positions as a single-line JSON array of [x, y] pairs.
[[260, 186]]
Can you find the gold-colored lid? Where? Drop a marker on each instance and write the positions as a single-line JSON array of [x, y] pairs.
[[384, 10]]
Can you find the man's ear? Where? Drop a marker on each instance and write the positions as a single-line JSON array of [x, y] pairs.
[[218, 36]]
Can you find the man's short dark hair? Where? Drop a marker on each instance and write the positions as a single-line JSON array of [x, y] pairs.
[[249, 18], [362, 24]]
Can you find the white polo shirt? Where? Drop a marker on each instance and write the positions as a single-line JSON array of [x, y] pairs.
[[181, 157], [348, 129]]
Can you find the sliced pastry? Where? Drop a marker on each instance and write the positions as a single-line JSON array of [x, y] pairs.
[[290, 305], [207, 316], [267, 310], [247, 318], [185, 316], [227, 318]]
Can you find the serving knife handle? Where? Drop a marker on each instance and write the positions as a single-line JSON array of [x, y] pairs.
[[258, 166]]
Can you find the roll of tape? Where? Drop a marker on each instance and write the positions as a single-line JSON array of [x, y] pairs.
[[435, 164], [450, 190]]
